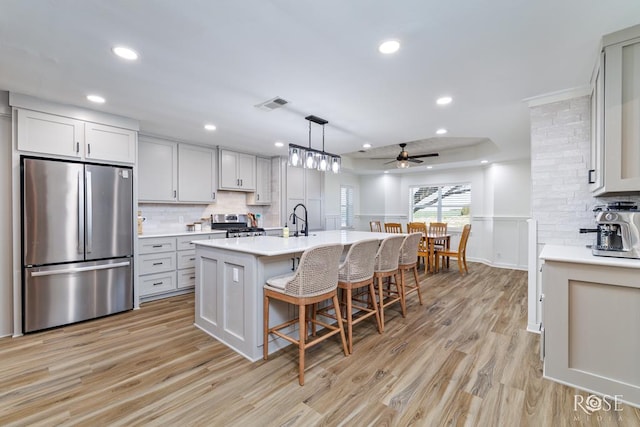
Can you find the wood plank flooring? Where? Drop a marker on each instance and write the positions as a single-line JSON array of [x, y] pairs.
[[463, 358]]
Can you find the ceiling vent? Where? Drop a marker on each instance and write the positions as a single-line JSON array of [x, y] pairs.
[[272, 104]]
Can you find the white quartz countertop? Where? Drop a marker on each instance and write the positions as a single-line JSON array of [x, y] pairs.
[[195, 234], [270, 245], [583, 255]]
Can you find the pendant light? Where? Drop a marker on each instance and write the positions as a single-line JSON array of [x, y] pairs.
[[310, 158]]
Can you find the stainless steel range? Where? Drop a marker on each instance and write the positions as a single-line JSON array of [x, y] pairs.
[[236, 225]]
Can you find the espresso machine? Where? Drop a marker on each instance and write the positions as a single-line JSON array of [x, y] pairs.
[[618, 230]]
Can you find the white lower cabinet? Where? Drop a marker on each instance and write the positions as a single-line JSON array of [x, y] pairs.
[[591, 328], [166, 265]]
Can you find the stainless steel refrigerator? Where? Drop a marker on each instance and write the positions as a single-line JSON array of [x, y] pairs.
[[77, 239]]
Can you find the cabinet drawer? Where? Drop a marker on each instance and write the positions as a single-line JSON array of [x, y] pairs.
[[185, 242], [156, 245], [187, 259], [157, 283], [187, 278], [157, 263]]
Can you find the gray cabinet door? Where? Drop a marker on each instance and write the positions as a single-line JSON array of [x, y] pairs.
[[157, 170], [196, 174]]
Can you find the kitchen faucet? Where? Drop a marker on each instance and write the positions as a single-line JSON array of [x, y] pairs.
[[293, 217]]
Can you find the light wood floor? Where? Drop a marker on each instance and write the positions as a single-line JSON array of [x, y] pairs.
[[462, 358]]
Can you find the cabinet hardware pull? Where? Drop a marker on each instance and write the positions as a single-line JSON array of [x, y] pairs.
[[156, 246], [257, 196], [213, 196], [241, 184], [158, 263], [175, 194], [77, 147], [192, 259], [591, 179], [192, 277], [293, 264], [158, 283], [89, 149]]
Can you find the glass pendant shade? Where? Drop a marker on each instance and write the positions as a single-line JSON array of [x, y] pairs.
[[403, 164], [336, 164]]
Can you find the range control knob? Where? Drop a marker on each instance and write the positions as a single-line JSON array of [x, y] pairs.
[[610, 216]]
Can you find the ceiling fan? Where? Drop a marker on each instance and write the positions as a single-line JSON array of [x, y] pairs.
[[404, 158]]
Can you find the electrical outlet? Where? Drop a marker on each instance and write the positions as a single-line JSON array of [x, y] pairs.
[[181, 219], [235, 275]]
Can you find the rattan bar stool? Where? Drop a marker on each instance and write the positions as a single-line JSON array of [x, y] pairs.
[[315, 280], [386, 267], [409, 261], [356, 274]]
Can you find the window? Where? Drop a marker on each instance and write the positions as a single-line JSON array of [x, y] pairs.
[[346, 206], [445, 203]]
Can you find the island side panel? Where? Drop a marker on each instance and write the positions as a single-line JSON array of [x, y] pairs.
[[229, 296]]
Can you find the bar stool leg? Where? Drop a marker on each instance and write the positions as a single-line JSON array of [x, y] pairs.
[[400, 288], [381, 302], [415, 276], [301, 341], [265, 320], [336, 306], [349, 316], [374, 304]]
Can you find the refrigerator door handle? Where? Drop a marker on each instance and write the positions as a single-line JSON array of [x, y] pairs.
[[80, 214], [89, 213], [79, 269]]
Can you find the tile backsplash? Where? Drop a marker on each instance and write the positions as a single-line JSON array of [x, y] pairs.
[[166, 217]]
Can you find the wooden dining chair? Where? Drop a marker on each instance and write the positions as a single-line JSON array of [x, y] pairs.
[[461, 253], [393, 227], [315, 280], [375, 226], [423, 248], [436, 228]]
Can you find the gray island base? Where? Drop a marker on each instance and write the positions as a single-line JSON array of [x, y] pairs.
[[231, 273]]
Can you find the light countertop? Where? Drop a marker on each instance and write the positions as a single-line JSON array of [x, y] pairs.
[[271, 245], [195, 234], [583, 255]]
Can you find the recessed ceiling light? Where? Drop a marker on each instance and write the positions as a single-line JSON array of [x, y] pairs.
[[386, 171], [441, 131], [125, 53], [429, 167], [367, 145], [484, 161], [444, 100], [96, 98], [279, 144], [210, 127], [390, 46]]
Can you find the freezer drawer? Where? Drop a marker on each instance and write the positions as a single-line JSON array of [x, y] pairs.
[[69, 293]]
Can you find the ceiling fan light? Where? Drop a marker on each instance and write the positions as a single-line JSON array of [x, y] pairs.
[[403, 164]]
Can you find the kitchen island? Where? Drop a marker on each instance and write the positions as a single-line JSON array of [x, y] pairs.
[[231, 273], [591, 322]]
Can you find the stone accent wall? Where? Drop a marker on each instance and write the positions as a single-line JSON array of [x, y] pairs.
[[560, 151]]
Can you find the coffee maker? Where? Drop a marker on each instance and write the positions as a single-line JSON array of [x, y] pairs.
[[618, 230]]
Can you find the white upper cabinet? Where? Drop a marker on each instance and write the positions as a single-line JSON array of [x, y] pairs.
[[50, 134], [157, 170], [63, 136], [596, 178], [262, 195], [621, 130], [109, 143], [237, 171], [196, 174]]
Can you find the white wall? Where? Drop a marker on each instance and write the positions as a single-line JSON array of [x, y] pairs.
[[6, 239], [500, 207]]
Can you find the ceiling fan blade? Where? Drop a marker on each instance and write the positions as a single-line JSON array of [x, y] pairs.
[[424, 155], [386, 163], [412, 160]]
